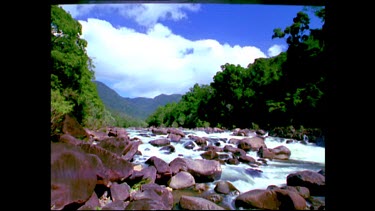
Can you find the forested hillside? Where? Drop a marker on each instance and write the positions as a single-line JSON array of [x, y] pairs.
[[72, 72], [73, 91], [138, 108], [291, 89]]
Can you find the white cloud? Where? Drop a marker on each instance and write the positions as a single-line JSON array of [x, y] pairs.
[[276, 50], [148, 64], [149, 14], [78, 9]]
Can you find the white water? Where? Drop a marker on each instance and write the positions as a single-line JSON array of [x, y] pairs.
[[303, 157]]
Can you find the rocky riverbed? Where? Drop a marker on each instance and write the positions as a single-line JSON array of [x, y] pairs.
[[173, 168]]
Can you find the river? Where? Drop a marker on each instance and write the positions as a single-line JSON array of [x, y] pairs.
[[304, 156]]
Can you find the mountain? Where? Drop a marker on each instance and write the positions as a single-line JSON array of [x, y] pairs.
[[139, 107]]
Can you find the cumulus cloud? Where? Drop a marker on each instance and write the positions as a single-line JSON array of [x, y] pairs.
[[276, 50], [148, 64], [156, 61], [149, 14], [78, 9]]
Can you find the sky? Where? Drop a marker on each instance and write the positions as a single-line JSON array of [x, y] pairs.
[[144, 50]]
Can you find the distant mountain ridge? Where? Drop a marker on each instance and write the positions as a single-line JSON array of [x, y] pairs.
[[139, 107]]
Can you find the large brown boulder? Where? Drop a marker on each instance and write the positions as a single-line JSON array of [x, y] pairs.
[[67, 138], [163, 171], [178, 164], [281, 152], [258, 198], [202, 170], [264, 152], [302, 191], [168, 149], [160, 142], [97, 135], [159, 131], [72, 127], [115, 205], [225, 187], [210, 155], [174, 137], [130, 150], [146, 204], [198, 140], [116, 168], [198, 203], [120, 192], [312, 180], [271, 199], [181, 180], [176, 132], [118, 132], [290, 200], [92, 204], [234, 150], [246, 159], [73, 176], [148, 174], [114, 144], [251, 144], [151, 197]]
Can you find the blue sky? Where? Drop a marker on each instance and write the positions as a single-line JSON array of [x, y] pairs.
[[143, 50]]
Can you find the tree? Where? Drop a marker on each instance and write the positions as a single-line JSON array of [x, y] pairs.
[[297, 32], [72, 74], [304, 72], [288, 89]]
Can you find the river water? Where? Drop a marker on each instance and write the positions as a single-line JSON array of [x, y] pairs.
[[303, 157]]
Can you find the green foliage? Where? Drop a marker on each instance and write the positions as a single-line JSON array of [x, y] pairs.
[[188, 112], [139, 184], [156, 119], [273, 106], [59, 107], [139, 108], [229, 88], [318, 11], [72, 89], [120, 119], [288, 88], [296, 33], [305, 73], [255, 126], [201, 123], [297, 99]]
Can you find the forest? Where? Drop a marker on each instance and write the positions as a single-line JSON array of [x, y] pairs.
[[290, 89]]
